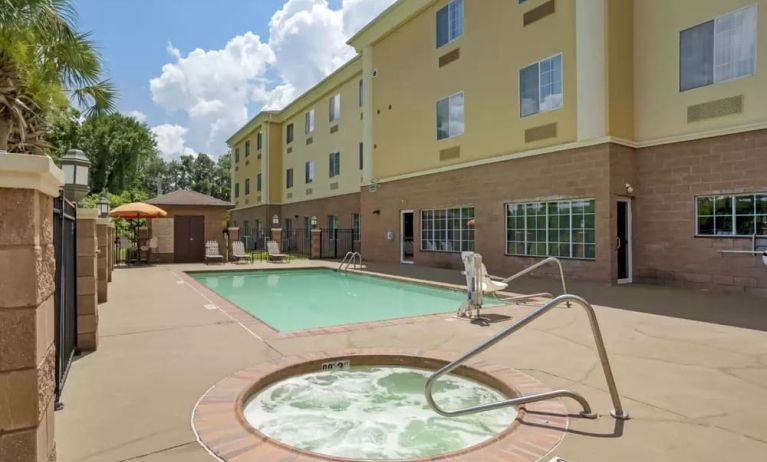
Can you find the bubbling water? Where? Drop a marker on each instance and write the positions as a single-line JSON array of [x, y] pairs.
[[375, 413]]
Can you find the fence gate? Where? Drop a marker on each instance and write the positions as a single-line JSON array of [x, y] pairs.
[[65, 297], [297, 242], [335, 243]]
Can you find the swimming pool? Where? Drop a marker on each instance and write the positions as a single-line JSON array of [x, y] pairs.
[[313, 298]]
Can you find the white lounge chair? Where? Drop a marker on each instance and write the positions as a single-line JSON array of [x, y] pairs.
[[238, 251], [273, 250], [212, 253]]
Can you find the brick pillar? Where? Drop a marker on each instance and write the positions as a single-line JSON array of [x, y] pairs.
[[102, 234], [111, 253], [277, 236], [27, 270], [234, 235], [316, 247], [87, 299]]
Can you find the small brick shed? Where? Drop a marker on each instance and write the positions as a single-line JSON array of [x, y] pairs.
[[193, 218]]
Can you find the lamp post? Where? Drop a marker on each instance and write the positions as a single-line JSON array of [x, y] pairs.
[[76, 167], [104, 207]]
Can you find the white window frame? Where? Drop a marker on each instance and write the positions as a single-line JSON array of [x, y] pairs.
[[289, 178], [309, 171], [334, 164], [335, 108], [444, 239], [733, 198], [538, 63], [309, 122], [449, 116], [451, 34], [258, 182]]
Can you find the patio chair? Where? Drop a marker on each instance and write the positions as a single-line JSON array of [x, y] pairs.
[[238, 251], [274, 253], [212, 253]]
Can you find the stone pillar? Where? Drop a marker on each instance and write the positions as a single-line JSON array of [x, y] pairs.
[[102, 234], [111, 254], [234, 236], [277, 236], [87, 299], [27, 271], [316, 247]]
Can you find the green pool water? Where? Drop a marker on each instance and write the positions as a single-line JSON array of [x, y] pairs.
[[375, 413], [305, 299]]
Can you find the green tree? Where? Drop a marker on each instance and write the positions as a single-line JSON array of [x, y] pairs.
[[44, 61], [222, 183]]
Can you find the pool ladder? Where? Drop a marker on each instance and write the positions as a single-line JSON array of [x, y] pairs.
[[618, 412], [351, 258]]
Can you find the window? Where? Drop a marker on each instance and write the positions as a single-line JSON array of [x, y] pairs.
[[361, 92], [247, 186], [332, 224], [447, 230], [335, 108], [289, 135], [557, 228], [334, 164], [732, 215], [355, 226], [450, 116], [237, 190], [237, 155], [362, 155], [449, 22], [309, 171], [258, 182], [289, 178], [259, 141], [718, 50], [309, 122], [540, 86], [245, 228], [247, 148]]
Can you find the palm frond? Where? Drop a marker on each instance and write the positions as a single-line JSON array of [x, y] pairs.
[[96, 99]]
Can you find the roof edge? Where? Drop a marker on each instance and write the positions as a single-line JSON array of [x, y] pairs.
[[388, 21]]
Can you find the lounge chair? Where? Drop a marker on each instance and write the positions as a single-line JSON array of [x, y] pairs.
[[238, 251], [274, 253], [212, 253]]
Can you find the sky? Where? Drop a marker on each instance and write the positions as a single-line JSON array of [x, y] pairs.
[[195, 71]]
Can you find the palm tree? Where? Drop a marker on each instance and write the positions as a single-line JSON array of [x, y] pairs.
[[45, 65]]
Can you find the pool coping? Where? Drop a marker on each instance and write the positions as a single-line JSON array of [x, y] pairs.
[[221, 428], [262, 329]]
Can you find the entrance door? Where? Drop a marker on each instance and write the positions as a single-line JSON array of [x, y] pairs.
[[189, 239], [406, 236], [623, 215]]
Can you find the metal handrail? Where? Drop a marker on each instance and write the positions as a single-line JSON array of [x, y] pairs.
[[532, 268], [617, 412], [349, 259]]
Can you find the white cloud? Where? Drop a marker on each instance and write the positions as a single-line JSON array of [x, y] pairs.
[[171, 141], [214, 88], [138, 115]]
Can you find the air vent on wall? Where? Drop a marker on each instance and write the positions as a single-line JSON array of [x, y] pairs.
[[333, 186], [450, 153], [309, 191], [373, 187], [309, 141], [247, 162], [539, 12], [258, 198], [290, 150], [334, 129], [541, 133], [236, 169], [448, 58], [289, 195], [714, 109], [258, 157]]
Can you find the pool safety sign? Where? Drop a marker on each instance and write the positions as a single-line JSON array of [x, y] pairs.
[[339, 365]]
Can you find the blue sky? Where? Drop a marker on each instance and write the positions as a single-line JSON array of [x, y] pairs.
[[249, 54]]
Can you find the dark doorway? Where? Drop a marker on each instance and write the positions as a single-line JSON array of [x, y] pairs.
[[407, 233], [189, 239], [623, 215]]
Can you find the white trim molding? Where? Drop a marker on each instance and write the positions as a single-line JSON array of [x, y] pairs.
[[28, 171]]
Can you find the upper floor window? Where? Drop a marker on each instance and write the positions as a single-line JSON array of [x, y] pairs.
[[289, 178], [718, 50], [450, 116], [309, 171], [335, 108], [237, 154], [259, 141], [309, 122], [247, 186], [237, 190], [258, 182], [247, 148], [732, 215], [362, 155], [361, 92], [540, 86], [289, 134], [449, 22], [334, 164]]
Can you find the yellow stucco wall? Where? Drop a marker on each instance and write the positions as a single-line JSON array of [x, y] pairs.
[[493, 49], [275, 163], [660, 108], [248, 167], [346, 141], [620, 67]]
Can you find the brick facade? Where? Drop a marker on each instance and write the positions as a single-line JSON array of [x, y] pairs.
[[342, 206], [215, 223]]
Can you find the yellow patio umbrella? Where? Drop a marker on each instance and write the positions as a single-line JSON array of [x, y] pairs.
[[138, 210]]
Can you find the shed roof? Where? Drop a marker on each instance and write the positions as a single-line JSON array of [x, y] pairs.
[[187, 197]]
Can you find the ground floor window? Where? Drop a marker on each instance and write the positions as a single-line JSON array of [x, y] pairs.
[[332, 223], [356, 226], [732, 215], [562, 228], [447, 230]]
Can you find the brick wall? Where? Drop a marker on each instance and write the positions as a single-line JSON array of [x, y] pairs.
[[342, 206], [215, 222]]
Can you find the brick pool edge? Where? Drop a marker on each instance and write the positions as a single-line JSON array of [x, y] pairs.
[[220, 426]]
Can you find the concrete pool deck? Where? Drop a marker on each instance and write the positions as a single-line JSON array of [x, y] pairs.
[[695, 390]]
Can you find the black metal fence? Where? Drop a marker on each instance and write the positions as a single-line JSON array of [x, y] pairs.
[[297, 242], [65, 297], [254, 240], [335, 243]]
